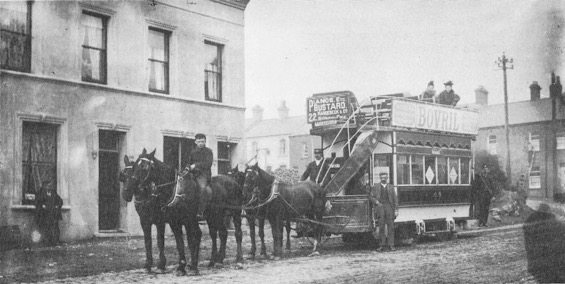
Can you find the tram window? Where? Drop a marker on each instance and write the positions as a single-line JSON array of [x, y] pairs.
[[417, 166], [381, 163], [465, 170], [442, 172], [403, 169], [454, 171], [430, 170]]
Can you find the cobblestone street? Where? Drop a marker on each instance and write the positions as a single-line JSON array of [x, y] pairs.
[[485, 256]]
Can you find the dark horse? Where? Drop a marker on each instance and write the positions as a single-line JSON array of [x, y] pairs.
[[255, 214], [301, 202], [225, 202], [162, 197]]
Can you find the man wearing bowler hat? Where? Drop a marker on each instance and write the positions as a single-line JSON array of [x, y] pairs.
[[448, 96], [317, 169], [384, 198]]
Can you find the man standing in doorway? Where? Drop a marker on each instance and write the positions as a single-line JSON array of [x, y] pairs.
[[48, 209], [384, 198], [317, 169], [200, 161]]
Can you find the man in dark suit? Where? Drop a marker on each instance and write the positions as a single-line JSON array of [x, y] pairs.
[[317, 169], [384, 198], [483, 187], [48, 209], [200, 160]]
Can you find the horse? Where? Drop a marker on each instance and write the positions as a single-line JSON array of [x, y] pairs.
[[224, 202], [162, 197], [256, 214], [301, 202]]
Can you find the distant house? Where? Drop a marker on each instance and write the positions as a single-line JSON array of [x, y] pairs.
[[283, 142], [537, 140]]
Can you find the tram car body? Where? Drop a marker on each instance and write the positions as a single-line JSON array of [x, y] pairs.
[[425, 148]]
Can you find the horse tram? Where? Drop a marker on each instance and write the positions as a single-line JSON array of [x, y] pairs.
[[425, 149]]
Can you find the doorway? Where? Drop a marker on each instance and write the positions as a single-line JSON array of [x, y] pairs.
[[108, 183]]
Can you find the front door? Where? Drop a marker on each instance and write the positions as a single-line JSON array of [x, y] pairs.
[[108, 184]]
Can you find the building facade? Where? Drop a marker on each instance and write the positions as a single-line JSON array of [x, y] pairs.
[[283, 142], [537, 141], [85, 83]]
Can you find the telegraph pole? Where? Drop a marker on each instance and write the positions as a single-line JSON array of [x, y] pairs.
[[506, 63]]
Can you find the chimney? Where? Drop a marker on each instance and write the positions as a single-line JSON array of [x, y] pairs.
[[535, 91], [481, 96], [257, 113], [283, 110]]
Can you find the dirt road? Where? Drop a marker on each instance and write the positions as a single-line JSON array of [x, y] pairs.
[[488, 257]]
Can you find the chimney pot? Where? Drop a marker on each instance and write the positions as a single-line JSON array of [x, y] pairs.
[[481, 96], [535, 91], [257, 113], [283, 110]]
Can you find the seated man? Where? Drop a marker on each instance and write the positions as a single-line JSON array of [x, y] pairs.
[[201, 159], [317, 169]]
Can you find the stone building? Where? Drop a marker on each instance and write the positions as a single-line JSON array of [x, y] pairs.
[[537, 140], [283, 142], [84, 83]]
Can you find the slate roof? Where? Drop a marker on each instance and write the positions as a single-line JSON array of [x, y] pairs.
[[519, 113], [291, 126]]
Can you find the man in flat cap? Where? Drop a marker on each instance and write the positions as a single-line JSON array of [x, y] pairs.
[[448, 96], [317, 169], [429, 95]]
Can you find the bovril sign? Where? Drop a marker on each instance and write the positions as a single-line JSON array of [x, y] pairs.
[[434, 117], [328, 109]]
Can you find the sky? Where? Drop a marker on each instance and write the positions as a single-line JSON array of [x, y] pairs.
[[296, 48]]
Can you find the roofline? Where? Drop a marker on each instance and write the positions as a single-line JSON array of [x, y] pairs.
[[522, 124]]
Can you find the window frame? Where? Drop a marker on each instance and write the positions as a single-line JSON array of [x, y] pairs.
[[535, 146], [224, 160], [410, 163], [219, 73], [104, 68], [492, 145], [255, 147], [304, 150], [167, 45], [26, 54], [536, 173], [282, 147], [560, 141]]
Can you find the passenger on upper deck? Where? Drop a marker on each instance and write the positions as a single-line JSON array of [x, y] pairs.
[[448, 96], [429, 95]]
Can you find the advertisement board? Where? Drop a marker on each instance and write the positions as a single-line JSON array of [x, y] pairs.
[[329, 109], [434, 117]]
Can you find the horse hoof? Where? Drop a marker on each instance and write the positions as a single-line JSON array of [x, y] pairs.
[[148, 270], [180, 273], [160, 271], [218, 265], [314, 254], [239, 265], [193, 273]]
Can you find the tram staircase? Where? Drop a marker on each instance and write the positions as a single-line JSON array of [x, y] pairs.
[[361, 153]]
